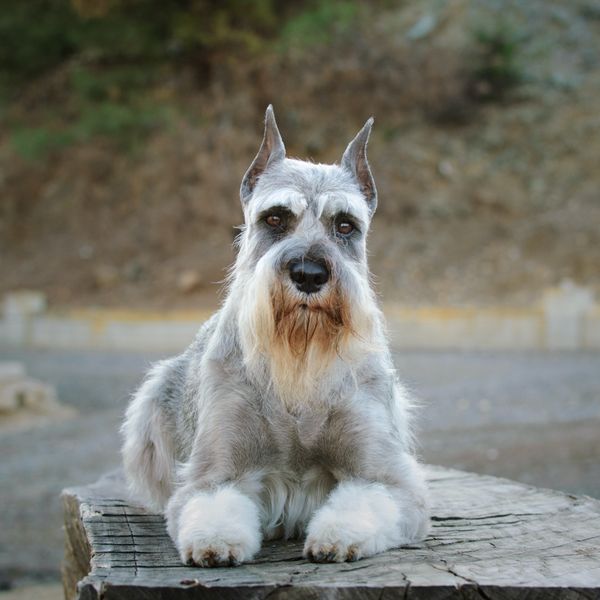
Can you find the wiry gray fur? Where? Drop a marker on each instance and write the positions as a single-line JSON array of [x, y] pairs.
[[254, 433]]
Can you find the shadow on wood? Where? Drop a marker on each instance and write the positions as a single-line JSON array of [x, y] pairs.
[[490, 538]]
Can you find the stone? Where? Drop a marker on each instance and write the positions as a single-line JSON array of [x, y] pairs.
[[189, 281]]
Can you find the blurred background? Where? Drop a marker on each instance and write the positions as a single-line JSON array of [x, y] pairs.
[[125, 129]]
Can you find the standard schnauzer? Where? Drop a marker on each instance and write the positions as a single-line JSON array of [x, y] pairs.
[[285, 416]]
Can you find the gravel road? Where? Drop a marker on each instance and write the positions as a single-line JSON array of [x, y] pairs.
[[534, 417]]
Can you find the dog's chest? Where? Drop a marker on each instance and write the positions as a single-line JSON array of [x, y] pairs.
[[329, 439], [315, 449], [309, 428], [290, 499]]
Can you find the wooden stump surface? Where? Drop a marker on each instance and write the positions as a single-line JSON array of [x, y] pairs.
[[490, 538]]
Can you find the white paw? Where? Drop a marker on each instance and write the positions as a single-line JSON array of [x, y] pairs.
[[219, 529], [338, 539], [358, 520], [338, 551]]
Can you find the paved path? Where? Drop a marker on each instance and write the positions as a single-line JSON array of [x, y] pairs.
[[532, 417]]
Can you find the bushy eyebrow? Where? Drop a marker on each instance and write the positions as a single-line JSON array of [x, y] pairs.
[[292, 201], [278, 209], [343, 205]]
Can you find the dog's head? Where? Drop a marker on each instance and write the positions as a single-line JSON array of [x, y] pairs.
[[302, 258]]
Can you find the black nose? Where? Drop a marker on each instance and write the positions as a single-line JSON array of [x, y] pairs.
[[309, 276]]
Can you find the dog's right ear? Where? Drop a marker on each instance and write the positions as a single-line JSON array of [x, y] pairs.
[[271, 151]]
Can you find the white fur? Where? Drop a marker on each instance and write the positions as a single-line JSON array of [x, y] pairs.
[[147, 451], [219, 528], [330, 204], [361, 519], [289, 503], [281, 197]]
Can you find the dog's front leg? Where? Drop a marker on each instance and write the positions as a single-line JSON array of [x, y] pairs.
[[219, 526], [362, 518]]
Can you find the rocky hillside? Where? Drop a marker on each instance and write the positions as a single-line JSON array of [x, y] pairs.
[[486, 150]]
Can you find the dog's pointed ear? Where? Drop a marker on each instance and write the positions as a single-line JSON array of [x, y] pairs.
[[355, 161], [271, 151]]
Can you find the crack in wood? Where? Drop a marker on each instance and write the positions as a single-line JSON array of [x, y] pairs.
[[134, 552], [564, 544], [407, 585], [483, 517], [357, 568], [457, 542], [463, 577]]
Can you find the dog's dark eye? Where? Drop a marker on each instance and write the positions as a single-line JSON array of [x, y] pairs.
[[344, 228], [277, 219], [273, 221]]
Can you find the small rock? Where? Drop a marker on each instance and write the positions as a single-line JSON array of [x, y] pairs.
[[86, 251], [133, 271], [463, 404], [485, 406], [19, 392], [106, 276], [189, 281], [492, 453], [445, 169], [422, 28], [10, 372]]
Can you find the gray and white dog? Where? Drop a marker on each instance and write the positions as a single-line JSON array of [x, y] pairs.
[[285, 417]]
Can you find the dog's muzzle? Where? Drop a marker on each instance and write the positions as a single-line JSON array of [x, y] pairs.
[[308, 276]]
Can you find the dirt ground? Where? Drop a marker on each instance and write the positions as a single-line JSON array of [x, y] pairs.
[[480, 202]]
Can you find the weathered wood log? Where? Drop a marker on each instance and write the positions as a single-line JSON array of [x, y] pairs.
[[491, 538]]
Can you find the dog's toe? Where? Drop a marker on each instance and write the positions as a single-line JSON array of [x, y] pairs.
[[213, 557], [327, 552], [353, 553]]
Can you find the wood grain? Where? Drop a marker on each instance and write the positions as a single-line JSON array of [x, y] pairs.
[[490, 538]]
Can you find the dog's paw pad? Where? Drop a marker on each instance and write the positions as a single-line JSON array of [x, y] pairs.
[[352, 553], [331, 552], [211, 556]]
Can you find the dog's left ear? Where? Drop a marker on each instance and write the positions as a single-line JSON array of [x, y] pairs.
[[355, 161], [271, 151]]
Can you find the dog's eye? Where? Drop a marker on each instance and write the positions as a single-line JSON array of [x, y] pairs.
[[273, 221], [277, 218], [344, 228]]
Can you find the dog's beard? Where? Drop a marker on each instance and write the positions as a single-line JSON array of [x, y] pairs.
[[307, 337], [304, 324], [295, 341]]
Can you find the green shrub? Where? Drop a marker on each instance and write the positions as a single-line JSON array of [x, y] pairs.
[[35, 35], [126, 124], [497, 69], [113, 54], [35, 143], [92, 84], [319, 24]]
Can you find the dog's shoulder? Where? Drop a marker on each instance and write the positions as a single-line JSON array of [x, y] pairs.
[[216, 341], [197, 349], [204, 334]]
